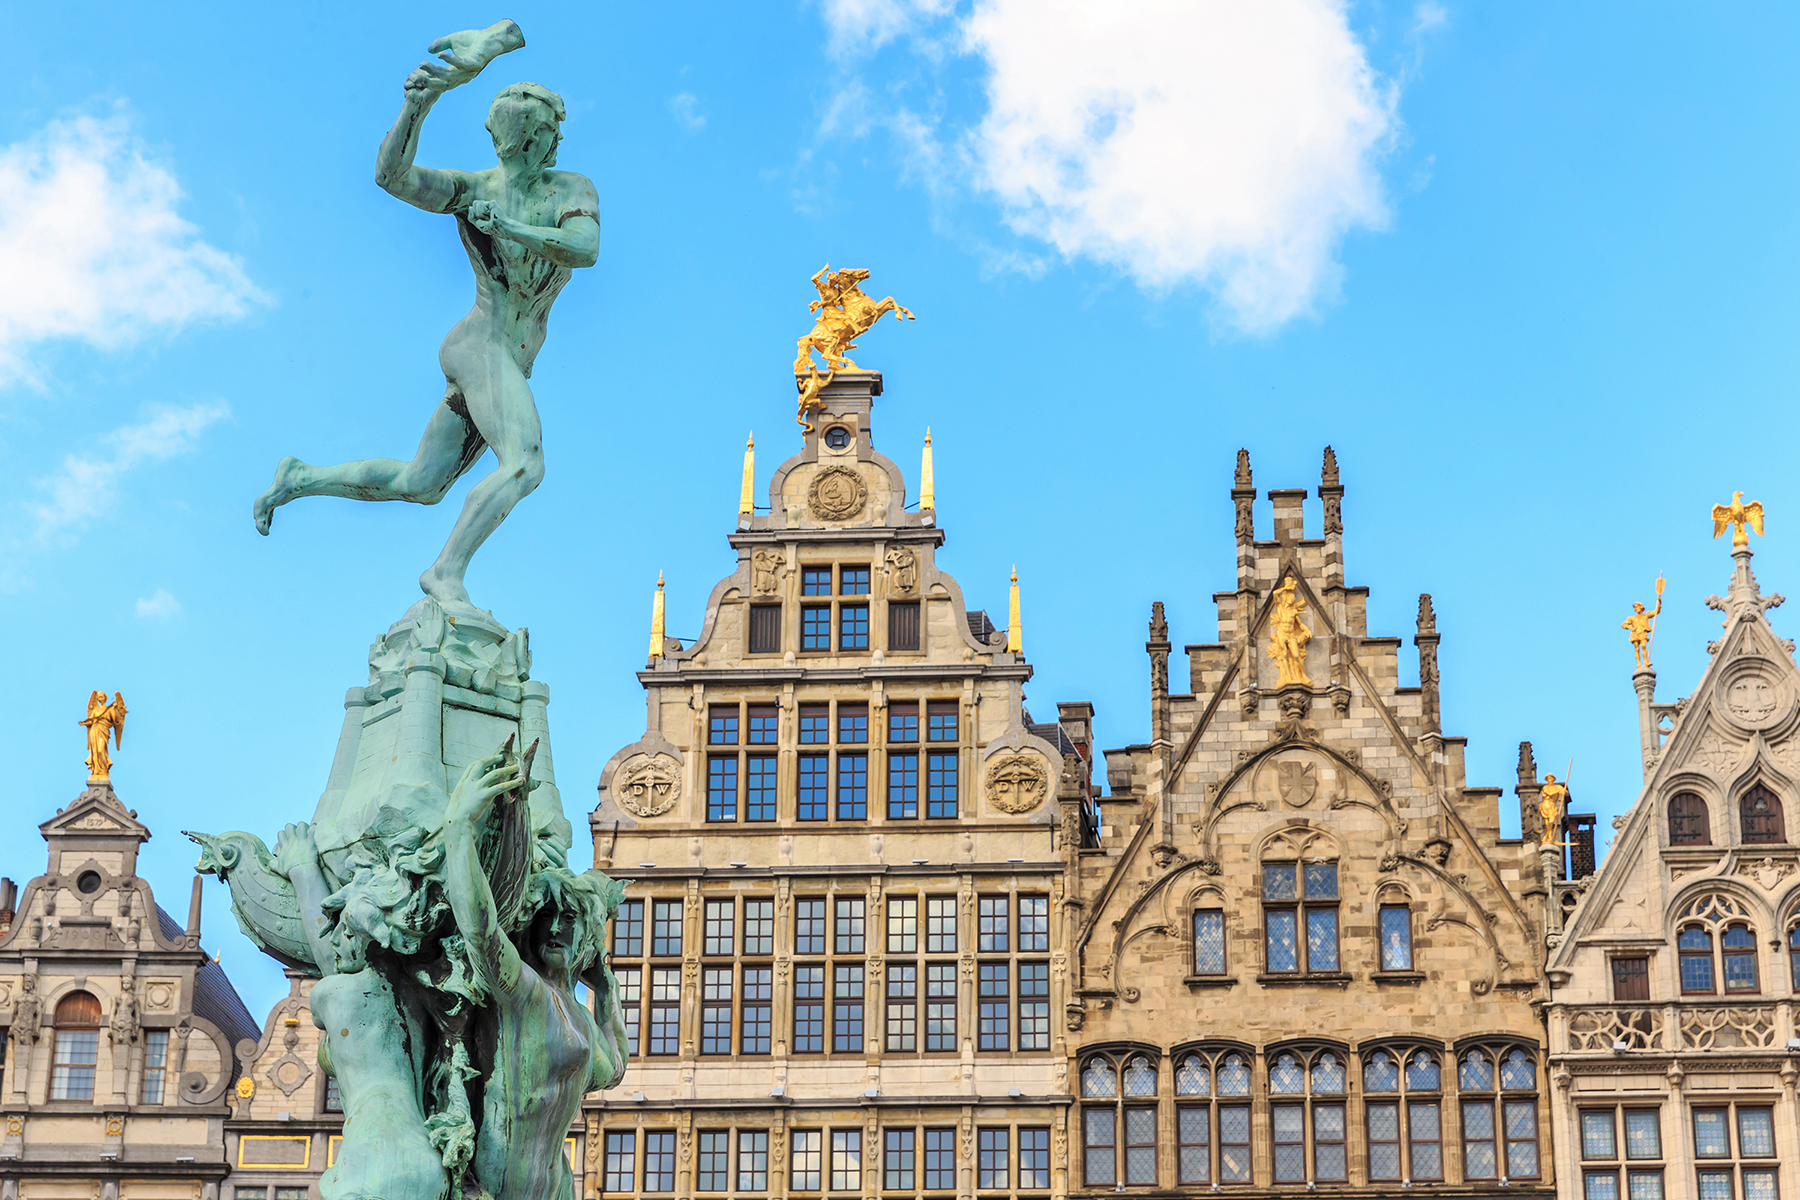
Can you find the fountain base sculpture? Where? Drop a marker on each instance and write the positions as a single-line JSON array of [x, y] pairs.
[[432, 893]]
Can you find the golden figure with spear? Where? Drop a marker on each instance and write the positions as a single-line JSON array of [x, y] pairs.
[[1641, 626], [1554, 803]]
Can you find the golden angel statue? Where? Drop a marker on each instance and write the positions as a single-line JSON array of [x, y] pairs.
[[1739, 514], [104, 721], [1288, 634], [845, 314], [1640, 626], [1555, 797]]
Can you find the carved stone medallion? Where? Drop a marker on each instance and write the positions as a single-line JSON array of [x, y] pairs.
[[1018, 783], [647, 785], [1753, 697], [837, 494]]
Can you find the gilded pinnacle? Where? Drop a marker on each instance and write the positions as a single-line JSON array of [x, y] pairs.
[[1739, 514], [747, 493], [1015, 640], [656, 621], [927, 485]]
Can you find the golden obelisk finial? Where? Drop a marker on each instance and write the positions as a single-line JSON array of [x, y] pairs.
[[104, 721], [747, 494], [656, 621], [1739, 514], [927, 485], [1015, 641]]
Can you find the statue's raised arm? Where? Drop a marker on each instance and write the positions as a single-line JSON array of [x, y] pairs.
[[460, 57]]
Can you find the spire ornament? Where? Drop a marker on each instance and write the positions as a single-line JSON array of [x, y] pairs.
[[927, 484], [1015, 642], [1640, 626], [104, 721], [747, 493], [656, 621], [1739, 514]]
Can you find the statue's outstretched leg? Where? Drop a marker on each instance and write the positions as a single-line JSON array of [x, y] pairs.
[[449, 448], [501, 408]]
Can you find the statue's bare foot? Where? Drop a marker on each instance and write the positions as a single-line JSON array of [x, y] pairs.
[[279, 493], [442, 586]]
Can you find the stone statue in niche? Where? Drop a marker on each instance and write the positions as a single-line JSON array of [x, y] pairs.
[[765, 571], [1288, 634], [905, 567]]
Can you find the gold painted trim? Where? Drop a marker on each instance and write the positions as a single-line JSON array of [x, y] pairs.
[[304, 1164]]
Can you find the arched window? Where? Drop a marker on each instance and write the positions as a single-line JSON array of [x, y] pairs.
[[1306, 1113], [1695, 947], [1794, 954], [1737, 947], [1688, 824], [1759, 813], [1411, 1118], [1725, 917], [1118, 1128], [1209, 941], [1498, 1094], [1300, 917], [77, 1050], [1212, 1117]]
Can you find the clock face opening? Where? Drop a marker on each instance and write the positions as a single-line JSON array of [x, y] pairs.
[[837, 437]]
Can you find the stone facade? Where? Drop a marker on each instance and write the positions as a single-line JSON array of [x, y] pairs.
[[844, 957], [1301, 955], [1671, 1015], [286, 1121], [120, 1030]]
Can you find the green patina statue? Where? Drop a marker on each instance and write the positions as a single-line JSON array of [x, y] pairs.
[[525, 227], [464, 995]]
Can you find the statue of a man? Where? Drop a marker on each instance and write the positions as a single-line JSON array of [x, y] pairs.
[[1551, 802], [525, 227], [1288, 634]]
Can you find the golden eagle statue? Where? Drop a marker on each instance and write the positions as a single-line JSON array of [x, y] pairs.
[[1739, 514]]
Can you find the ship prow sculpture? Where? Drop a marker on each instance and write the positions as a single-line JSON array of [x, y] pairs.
[[431, 893]]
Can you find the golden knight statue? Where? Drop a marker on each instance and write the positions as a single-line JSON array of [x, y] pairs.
[[1554, 799], [104, 722], [1640, 626], [1288, 634], [845, 314], [1739, 514]]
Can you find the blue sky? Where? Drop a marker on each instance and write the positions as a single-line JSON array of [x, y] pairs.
[[1529, 268]]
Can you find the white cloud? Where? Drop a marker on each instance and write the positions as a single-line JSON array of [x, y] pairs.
[[863, 26], [159, 607], [94, 249], [685, 108], [1229, 146], [88, 486]]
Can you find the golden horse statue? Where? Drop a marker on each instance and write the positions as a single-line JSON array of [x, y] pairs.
[[845, 314]]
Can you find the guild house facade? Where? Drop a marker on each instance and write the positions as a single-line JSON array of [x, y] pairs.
[[1301, 957], [120, 1032], [1672, 1018], [842, 960]]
